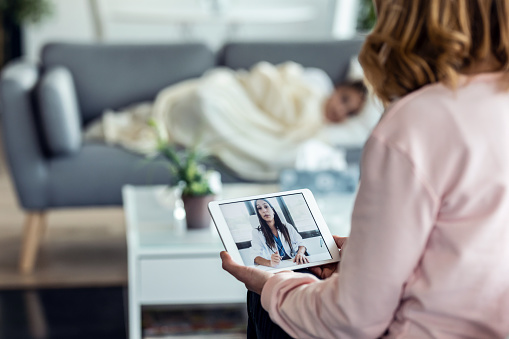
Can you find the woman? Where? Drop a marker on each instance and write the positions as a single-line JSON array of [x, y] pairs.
[[274, 241], [427, 256]]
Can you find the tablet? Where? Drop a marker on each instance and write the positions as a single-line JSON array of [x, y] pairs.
[[248, 226]]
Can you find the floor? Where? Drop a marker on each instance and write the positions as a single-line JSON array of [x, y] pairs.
[[77, 313]]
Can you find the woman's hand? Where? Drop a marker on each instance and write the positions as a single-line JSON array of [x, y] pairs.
[[325, 271], [340, 241], [253, 278], [300, 257], [275, 259]]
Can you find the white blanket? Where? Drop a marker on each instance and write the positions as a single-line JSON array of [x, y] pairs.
[[254, 122]]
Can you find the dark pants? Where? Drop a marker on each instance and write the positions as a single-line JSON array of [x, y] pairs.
[[259, 323]]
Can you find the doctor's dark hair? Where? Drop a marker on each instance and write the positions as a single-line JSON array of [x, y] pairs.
[[265, 229]]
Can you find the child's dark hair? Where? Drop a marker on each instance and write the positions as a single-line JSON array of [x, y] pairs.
[[357, 85]]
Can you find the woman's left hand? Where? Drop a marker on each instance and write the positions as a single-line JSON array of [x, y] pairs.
[[300, 259], [253, 278]]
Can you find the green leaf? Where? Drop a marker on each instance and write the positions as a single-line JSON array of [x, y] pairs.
[[366, 18], [185, 165], [27, 11]]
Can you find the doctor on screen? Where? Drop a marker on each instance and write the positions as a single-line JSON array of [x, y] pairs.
[[274, 240]]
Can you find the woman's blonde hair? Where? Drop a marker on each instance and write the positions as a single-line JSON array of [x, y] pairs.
[[419, 42]]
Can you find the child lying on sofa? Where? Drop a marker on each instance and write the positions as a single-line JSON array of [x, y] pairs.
[[345, 101], [253, 121]]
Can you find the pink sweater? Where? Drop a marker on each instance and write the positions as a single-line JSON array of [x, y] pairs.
[[428, 254]]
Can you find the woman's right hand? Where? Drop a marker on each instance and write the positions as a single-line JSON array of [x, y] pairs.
[[275, 259], [325, 271], [340, 241]]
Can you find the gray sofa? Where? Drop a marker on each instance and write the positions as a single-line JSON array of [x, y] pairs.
[[44, 107]]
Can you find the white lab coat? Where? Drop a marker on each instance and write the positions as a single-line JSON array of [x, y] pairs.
[[259, 247]]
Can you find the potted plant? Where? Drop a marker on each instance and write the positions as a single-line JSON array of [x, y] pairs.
[[15, 13], [366, 18], [195, 182]]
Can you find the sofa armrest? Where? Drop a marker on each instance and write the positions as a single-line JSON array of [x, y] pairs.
[[59, 113], [21, 138]]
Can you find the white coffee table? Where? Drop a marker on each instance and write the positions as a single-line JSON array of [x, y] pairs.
[[169, 265]]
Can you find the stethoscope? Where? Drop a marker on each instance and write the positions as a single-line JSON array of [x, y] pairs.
[[277, 246]]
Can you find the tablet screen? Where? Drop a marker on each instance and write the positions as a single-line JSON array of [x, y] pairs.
[[251, 223]]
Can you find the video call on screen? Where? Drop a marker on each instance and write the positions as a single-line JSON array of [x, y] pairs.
[[292, 210]]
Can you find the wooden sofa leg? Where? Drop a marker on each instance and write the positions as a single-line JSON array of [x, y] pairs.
[[44, 225], [32, 234]]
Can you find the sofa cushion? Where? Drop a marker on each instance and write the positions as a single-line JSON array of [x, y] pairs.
[[112, 76], [331, 56], [60, 117], [96, 174]]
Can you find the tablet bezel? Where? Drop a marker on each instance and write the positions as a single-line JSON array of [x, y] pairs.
[[231, 247]]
